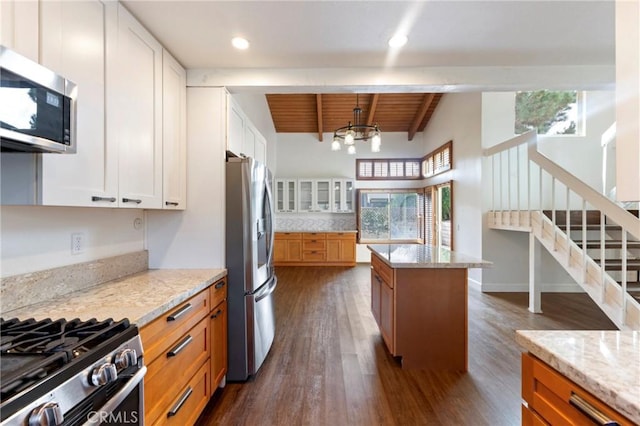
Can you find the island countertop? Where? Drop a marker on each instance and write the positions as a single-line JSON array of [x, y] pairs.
[[424, 256], [140, 297], [605, 363]]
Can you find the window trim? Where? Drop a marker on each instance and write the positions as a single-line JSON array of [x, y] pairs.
[[420, 204], [430, 156], [387, 162]]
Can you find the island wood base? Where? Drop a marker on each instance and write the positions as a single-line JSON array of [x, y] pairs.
[[422, 314]]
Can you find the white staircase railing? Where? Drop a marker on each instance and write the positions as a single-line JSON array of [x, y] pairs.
[[532, 193]]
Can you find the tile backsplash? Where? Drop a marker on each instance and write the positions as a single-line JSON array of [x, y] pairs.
[[315, 222]]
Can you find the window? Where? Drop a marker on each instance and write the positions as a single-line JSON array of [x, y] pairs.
[[437, 161], [390, 216], [388, 169], [550, 112]]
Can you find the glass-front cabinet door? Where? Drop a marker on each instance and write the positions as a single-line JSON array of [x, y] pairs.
[[314, 195], [343, 195], [286, 195], [305, 195]]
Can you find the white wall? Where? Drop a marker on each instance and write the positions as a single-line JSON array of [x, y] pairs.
[[36, 238], [457, 118]]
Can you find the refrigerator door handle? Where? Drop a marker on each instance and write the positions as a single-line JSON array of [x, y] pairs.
[[271, 224], [267, 289]]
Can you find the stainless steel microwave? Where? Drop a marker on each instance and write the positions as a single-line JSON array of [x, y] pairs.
[[37, 107]]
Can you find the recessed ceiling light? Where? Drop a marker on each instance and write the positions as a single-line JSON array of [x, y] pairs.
[[240, 43], [398, 40]]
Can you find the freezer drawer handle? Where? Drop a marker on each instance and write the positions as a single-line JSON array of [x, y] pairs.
[[180, 403], [180, 346], [590, 411], [220, 284], [180, 312], [171, 203], [131, 200], [218, 312], [109, 199]]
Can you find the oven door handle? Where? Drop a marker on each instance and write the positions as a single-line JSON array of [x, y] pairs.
[[117, 399]]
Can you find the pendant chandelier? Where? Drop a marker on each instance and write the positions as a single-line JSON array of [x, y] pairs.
[[356, 131]]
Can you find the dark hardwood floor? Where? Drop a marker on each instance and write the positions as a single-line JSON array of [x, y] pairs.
[[329, 366]]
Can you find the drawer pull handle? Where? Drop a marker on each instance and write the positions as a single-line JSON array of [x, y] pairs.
[[180, 403], [171, 203], [590, 411], [180, 346], [131, 200], [220, 284], [109, 199], [180, 312], [218, 312]]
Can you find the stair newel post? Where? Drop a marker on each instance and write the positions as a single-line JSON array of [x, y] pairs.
[[584, 241], [535, 269], [553, 213], [509, 185], [540, 194], [568, 216], [624, 277], [602, 258], [501, 191], [518, 206], [493, 187]]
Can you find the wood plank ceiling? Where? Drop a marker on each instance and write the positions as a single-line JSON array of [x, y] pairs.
[[323, 113]]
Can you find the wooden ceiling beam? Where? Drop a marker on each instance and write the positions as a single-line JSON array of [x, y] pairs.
[[372, 107], [420, 115], [319, 112]]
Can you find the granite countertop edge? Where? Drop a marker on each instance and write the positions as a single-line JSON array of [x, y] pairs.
[[622, 399], [140, 297], [318, 231], [472, 263]]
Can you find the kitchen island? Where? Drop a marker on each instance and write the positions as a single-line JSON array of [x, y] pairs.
[[563, 368], [419, 300]]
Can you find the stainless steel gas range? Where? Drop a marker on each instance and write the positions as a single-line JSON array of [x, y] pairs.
[[59, 372]]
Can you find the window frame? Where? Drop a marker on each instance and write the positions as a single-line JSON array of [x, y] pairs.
[[431, 157], [420, 219], [387, 162]]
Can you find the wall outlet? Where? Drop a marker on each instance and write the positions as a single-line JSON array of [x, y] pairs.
[[77, 243]]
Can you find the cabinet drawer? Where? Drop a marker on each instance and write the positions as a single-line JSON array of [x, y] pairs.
[[186, 406], [169, 373], [314, 236], [162, 332], [548, 393], [531, 418], [288, 236], [218, 292], [350, 236], [314, 256], [382, 269], [309, 245]]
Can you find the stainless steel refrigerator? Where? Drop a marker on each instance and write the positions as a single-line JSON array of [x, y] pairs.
[[249, 258]]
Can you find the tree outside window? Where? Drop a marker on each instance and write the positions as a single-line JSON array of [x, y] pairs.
[[549, 112], [390, 216]]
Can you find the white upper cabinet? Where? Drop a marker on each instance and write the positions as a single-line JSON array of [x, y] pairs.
[[19, 29], [243, 138], [314, 195], [139, 114], [286, 195], [89, 177], [174, 133], [343, 195], [235, 127]]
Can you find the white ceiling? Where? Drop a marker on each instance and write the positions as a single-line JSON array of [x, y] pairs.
[[335, 34]]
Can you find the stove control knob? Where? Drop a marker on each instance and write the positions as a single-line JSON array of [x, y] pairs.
[[125, 358], [48, 414], [105, 373]]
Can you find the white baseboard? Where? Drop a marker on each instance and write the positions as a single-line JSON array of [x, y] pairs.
[[524, 288]]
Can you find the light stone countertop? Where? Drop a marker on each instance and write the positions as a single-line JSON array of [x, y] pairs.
[[605, 363], [424, 256], [140, 297], [316, 231]]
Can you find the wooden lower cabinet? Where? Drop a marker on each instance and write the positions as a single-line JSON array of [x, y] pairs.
[[551, 398], [422, 314], [315, 249], [185, 351]]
